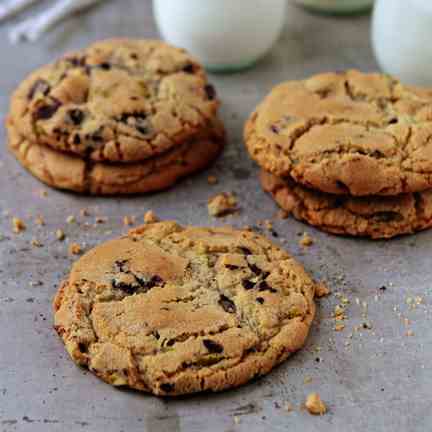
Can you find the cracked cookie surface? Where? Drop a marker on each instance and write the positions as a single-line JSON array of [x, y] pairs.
[[372, 216], [65, 171], [346, 133], [173, 310], [118, 100]]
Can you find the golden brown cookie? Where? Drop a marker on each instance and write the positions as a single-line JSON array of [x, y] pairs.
[[374, 216], [173, 310], [346, 133], [117, 100], [66, 171]]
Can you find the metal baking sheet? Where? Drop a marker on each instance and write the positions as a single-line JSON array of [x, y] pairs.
[[377, 380]]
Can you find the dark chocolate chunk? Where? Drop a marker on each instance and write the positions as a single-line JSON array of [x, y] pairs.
[[227, 304], [125, 287], [247, 284], [245, 250], [167, 387], [210, 92], [134, 56], [77, 61], [39, 86], [189, 68], [105, 66], [231, 267], [383, 288], [255, 269], [76, 139], [264, 286], [45, 112], [76, 116], [393, 120], [82, 347], [274, 129], [260, 300], [149, 283], [212, 346]]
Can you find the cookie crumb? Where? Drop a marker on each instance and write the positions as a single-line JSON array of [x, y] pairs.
[[128, 220], [222, 204], [100, 220], [307, 380], [43, 193], [18, 225], [35, 283], [409, 333], [322, 290], [60, 235], [36, 243], [282, 214], [150, 217], [39, 220], [74, 249], [339, 327], [84, 212], [306, 240], [288, 407], [212, 180], [70, 219], [315, 405], [236, 420]]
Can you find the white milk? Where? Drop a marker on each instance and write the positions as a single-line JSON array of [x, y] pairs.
[[223, 34], [402, 39], [336, 6]]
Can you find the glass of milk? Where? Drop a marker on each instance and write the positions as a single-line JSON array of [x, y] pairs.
[[402, 39], [338, 7], [225, 35]]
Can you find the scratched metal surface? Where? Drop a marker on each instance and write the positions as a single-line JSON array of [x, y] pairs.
[[381, 382]]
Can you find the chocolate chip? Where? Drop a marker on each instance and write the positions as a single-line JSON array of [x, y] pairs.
[[125, 287], [254, 268], [210, 92], [105, 66], [387, 216], [155, 334], [150, 283], [393, 120], [212, 346], [274, 233], [231, 267], [382, 288], [39, 86], [76, 116], [247, 284], [342, 186], [227, 304], [260, 300], [170, 343], [245, 250], [134, 56], [264, 286], [120, 265], [76, 139], [274, 129], [45, 112], [77, 61], [167, 387], [83, 347], [189, 68]]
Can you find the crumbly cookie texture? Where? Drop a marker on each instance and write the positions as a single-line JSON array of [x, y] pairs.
[[173, 310], [117, 100], [65, 171], [375, 217], [346, 133]]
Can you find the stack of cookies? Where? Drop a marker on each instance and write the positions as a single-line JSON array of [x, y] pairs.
[[350, 153], [122, 116]]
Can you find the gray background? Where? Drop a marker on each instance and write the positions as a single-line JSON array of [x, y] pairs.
[[380, 382]]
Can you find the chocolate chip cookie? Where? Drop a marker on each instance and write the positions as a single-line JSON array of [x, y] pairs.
[[346, 133], [173, 310], [119, 100], [375, 216], [65, 171]]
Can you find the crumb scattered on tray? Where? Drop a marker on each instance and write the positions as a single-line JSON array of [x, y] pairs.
[[74, 249], [18, 225], [150, 217], [322, 290], [39, 220], [288, 406], [36, 243], [100, 220], [128, 220], [84, 212], [315, 405], [70, 219], [43, 193], [306, 240], [222, 204], [60, 235], [212, 180]]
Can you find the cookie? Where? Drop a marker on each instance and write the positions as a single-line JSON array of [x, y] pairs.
[[65, 171], [346, 133], [375, 217], [118, 100], [172, 310]]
